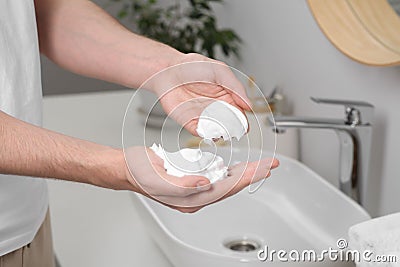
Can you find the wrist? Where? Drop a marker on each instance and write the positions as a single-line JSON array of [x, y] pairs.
[[155, 57], [112, 170]]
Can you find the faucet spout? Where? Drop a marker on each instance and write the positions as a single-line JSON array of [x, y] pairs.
[[283, 122], [355, 136]]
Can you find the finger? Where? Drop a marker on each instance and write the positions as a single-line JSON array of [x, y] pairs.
[[191, 127], [216, 191], [164, 185], [242, 175], [274, 163], [169, 185], [248, 124], [188, 185], [251, 172], [244, 103], [156, 181], [227, 79]]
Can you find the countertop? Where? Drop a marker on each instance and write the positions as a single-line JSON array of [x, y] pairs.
[[94, 226]]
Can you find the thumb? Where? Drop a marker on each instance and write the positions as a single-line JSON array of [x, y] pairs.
[[190, 184]]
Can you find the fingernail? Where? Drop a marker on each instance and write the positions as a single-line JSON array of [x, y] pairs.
[[203, 186]]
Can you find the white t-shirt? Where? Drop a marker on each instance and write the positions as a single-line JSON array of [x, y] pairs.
[[23, 200]]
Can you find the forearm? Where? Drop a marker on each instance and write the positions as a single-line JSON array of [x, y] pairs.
[[81, 37], [33, 151]]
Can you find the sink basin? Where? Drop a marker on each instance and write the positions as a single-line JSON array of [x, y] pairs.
[[295, 209]]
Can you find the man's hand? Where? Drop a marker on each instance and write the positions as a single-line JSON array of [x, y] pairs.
[[188, 193], [186, 89], [146, 172]]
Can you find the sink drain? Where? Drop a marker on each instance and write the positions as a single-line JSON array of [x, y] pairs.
[[243, 245]]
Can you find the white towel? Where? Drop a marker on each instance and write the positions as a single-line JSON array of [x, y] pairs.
[[380, 236]]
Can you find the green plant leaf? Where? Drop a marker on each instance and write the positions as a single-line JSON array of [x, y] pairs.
[[188, 28], [122, 13]]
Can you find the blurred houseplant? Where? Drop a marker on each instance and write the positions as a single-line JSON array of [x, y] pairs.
[[187, 25]]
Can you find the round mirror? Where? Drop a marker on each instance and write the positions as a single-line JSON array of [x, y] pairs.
[[367, 31], [380, 19]]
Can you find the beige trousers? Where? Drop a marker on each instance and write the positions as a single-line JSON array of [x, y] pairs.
[[38, 253]]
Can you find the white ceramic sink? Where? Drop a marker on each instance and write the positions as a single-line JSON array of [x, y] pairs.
[[294, 209]]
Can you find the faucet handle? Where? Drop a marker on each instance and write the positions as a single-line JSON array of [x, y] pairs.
[[357, 112]]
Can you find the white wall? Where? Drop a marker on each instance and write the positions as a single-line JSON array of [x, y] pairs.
[[283, 45]]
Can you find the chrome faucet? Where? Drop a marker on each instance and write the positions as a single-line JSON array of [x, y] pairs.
[[355, 136]]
